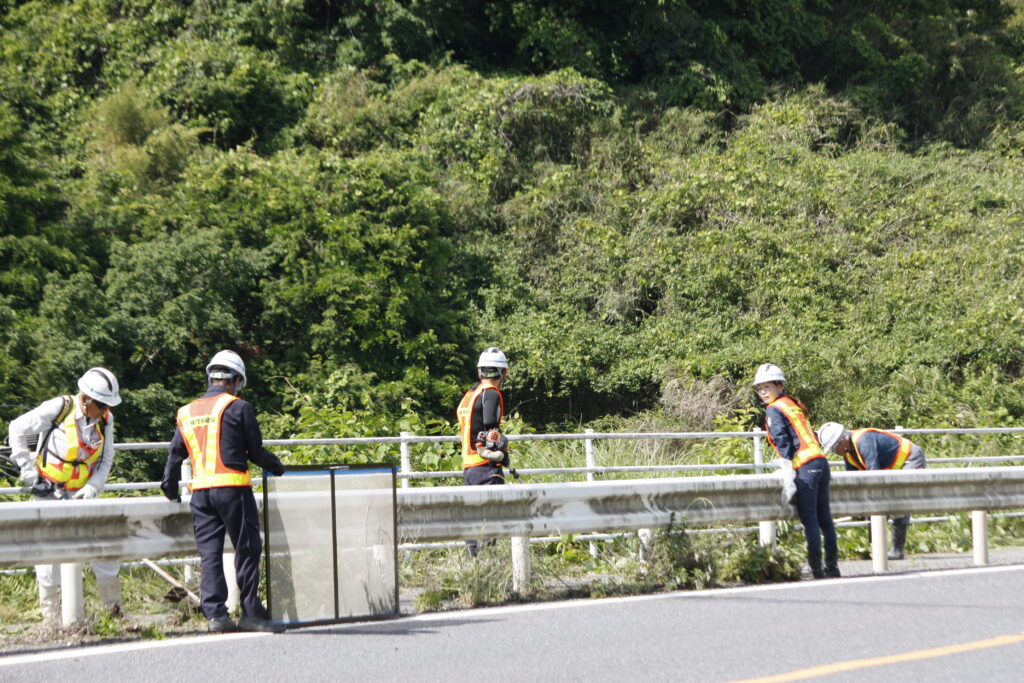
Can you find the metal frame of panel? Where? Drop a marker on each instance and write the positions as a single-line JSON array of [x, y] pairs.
[[333, 471]]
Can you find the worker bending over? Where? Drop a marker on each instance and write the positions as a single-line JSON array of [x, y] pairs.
[[875, 449], [70, 458]]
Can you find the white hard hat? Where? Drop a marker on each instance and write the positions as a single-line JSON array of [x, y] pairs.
[[100, 385], [768, 373], [829, 435], [492, 357], [226, 359]]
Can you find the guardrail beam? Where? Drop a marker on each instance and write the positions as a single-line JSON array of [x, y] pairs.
[[136, 528]]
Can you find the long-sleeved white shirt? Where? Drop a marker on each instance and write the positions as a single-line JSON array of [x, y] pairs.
[[38, 421]]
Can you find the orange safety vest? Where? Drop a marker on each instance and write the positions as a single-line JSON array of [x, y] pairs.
[[855, 459], [470, 457], [79, 461], [809, 447], [199, 423]]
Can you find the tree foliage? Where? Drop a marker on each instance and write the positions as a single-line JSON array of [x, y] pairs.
[[639, 201]]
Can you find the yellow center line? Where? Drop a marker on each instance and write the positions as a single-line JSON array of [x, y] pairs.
[[854, 664]]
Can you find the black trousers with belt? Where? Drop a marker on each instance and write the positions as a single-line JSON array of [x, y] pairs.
[[231, 510], [488, 474]]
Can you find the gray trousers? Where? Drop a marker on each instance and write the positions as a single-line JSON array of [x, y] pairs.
[[915, 461]]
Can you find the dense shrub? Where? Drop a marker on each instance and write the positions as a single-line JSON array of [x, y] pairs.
[[639, 201]]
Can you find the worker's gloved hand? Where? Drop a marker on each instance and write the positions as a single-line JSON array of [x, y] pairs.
[[29, 474], [86, 492], [277, 470], [171, 494]]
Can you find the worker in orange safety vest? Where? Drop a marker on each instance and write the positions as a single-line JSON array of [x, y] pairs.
[[220, 434], [480, 412], [790, 433], [875, 449]]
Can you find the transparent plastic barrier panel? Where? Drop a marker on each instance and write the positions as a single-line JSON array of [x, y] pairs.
[[330, 544]]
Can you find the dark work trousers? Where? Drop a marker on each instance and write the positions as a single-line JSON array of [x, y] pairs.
[[812, 480], [488, 474], [230, 509]]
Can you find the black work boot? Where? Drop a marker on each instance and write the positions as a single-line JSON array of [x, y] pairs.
[[221, 625], [832, 566], [814, 562], [899, 537]]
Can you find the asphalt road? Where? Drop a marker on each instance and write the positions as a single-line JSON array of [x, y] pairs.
[[955, 625]]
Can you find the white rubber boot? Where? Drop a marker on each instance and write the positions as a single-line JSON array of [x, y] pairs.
[[49, 605], [108, 585]]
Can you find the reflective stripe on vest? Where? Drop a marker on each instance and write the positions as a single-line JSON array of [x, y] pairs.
[[200, 423], [809, 448], [853, 457], [470, 458], [71, 471], [857, 460]]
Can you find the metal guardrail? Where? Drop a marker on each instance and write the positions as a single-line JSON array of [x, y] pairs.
[[134, 528], [542, 509]]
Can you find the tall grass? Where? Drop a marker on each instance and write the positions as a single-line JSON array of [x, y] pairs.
[[147, 611], [674, 560]]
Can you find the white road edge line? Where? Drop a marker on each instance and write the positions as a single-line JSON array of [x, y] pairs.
[[487, 612], [92, 651]]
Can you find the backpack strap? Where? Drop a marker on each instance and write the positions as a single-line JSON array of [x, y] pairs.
[[64, 410]]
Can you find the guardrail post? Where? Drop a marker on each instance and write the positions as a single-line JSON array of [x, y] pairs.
[[879, 543], [588, 450], [767, 530], [979, 529], [520, 564], [71, 594], [406, 467], [406, 458]]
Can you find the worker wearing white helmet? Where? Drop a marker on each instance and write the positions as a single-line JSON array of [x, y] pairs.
[[480, 412], [790, 433], [65, 449], [220, 434], [875, 449]]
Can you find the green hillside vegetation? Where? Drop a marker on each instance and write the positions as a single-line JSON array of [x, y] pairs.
[[638, 201]]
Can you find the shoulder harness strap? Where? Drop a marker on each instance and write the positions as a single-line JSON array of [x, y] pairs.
[[64, 410]]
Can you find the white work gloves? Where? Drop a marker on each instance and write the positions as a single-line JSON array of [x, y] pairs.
[[86, 492], [788, 476], [27, 463], [29, 476]]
